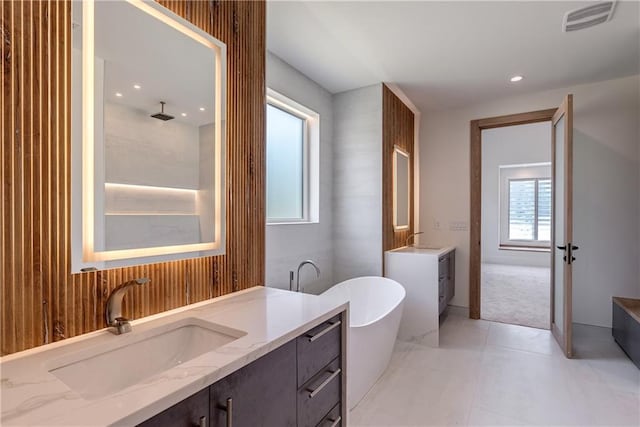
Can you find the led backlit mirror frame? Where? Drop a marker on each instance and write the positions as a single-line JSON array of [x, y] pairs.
[[401, 221], [89, 257]]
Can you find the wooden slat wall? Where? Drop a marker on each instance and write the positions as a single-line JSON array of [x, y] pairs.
[[38, 293], [397, 129]]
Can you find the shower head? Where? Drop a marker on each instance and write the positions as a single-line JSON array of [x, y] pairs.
[[161, 115]]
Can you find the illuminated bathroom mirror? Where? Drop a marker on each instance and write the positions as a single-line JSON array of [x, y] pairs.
[[401, 189], [148, 132]]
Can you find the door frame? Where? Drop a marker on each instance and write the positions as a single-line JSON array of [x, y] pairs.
[[475, 244]]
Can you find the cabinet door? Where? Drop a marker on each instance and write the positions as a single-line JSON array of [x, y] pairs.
[[452, 276], [260, 394], [191, 412]]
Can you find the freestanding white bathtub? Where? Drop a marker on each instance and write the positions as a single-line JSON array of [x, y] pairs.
[[375, 310]]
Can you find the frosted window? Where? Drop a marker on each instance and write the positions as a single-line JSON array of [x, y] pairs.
[[285, 165]]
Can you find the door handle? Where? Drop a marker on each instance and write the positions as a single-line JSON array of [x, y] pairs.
[[563, 248], [572, 248]]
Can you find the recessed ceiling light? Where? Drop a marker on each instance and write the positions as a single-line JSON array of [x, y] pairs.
[[516, 79], [201, 108], [136, 86], [184, 114], [118, 94]]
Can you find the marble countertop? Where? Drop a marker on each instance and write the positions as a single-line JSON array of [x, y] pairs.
[[423, 250], [31, 395]]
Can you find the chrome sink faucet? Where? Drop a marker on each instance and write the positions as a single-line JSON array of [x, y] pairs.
[[113, 310], [406, 242], [302, 264]]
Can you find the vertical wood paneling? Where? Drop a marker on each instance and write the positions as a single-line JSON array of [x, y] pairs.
[[40, 298], [397, 130]]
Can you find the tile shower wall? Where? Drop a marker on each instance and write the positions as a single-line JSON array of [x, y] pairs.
[[357, 185]]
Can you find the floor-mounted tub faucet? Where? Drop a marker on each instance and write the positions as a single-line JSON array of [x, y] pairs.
[[406, 242], [302, 264], [113, 310]]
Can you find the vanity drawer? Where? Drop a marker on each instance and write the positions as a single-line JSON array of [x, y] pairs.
[[333, 418], [318, 396], [318, 347], [443, 265], [193, 411]]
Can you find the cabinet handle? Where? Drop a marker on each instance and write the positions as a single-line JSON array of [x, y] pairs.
[[229, 410], [202, 422], [324, 383], [335, 422], [331, 327]]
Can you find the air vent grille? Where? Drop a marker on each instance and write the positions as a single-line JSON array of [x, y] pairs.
[[588, 16]]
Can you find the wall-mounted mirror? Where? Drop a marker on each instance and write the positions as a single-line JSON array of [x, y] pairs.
[[401, 189], [148, 132]]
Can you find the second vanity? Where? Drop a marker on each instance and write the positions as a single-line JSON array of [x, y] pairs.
[[257, 357], [428, 276]]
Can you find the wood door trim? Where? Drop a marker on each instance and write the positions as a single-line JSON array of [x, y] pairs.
[[517, 119], [476, 128]]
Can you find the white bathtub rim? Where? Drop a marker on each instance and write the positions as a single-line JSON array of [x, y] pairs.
[[391, 282]]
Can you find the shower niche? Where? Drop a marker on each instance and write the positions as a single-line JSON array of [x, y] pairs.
[[148, 136]]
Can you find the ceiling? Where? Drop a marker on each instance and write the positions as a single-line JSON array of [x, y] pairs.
[[450, 54]]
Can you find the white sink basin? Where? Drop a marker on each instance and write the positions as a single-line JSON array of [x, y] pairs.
[[131, 358]]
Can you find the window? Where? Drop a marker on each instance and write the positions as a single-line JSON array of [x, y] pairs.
[[525, 206], [292, 134]]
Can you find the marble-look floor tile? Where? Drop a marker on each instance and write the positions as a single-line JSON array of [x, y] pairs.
[[483, 417], [488, 373], [527, 386], [523, 338]]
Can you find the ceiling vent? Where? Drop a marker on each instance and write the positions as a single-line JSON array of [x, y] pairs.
[[589, 16]]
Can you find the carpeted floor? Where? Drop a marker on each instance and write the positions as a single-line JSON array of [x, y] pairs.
[[516, 295]]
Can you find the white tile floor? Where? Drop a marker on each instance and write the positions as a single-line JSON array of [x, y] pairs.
[[487, 373]]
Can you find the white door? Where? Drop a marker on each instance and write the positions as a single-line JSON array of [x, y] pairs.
[[562, 247]]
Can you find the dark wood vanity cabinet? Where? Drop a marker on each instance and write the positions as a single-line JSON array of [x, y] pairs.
[[191, 412], [300, 383], [446, 279], [320, 376], [260, 394]]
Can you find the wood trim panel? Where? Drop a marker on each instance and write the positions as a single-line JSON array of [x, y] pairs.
[[40, 300], [475, 232], [475, 227], [516, 119], [397, 130]]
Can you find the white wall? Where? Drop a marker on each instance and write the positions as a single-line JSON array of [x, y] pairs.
[[288, 245], [357, 186], [511, 145], [606, 193]]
